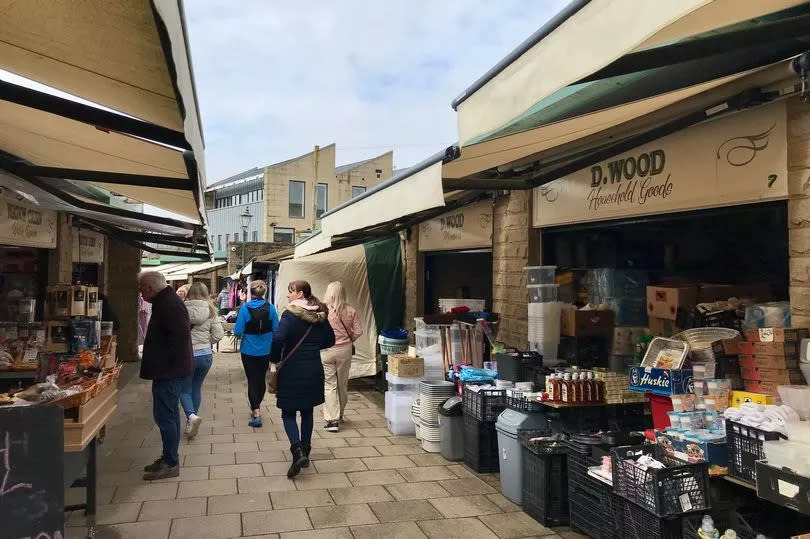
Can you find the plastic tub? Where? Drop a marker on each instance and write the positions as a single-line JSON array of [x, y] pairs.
[[543, 293], [427, 342], [540, 274]]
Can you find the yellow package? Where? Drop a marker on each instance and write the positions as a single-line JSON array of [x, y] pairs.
[[740, 397]]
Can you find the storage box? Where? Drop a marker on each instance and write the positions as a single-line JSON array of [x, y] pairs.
[[677, 445], [765, 388], [662, 327], [767, 362], [661, 381], [777, 334], [783, 487], [788, 350], [402, 365], [587, 323], [664, 302], [777, 376], [625, 339], [741, 397]]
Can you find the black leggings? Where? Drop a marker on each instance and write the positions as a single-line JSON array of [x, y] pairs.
[[256, 371], [291, 426]]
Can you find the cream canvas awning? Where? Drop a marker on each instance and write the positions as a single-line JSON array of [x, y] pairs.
[[587, 36], [110, 101]]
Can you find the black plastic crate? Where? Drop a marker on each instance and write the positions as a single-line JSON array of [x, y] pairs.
[[484, 404], [722, 521], [744, 448], [678, 489], [597, 515], [773, 484], [480, 445], [545, 482], [523, 404], [638, 523]]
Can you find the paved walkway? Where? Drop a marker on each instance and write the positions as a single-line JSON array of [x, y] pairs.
[[363, 483]]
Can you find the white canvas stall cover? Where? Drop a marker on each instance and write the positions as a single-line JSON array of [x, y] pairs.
[[578, 48], [349, 267], [109, 53]]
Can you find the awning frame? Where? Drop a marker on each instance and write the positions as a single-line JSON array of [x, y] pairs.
[[123, 236]]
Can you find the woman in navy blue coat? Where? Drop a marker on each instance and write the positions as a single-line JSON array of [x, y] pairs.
[[300, 380]]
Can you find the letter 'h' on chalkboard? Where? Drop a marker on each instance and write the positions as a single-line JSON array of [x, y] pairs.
[[32, 489]]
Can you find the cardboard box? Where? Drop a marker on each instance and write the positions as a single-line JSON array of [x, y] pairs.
[[740, 397], [664, 302], [789, 350], [662, 327], [78, 301], [409, 367], [625, 339], [777, 376], [764, 388], [767, 362], [661, 381], [684, 447], [777, 334], [92, 301], [57, 336], [587, 323]]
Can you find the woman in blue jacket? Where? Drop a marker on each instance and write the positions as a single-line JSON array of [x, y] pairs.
[[255, 324]]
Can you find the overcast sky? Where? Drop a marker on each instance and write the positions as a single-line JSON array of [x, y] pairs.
[[275, 78]]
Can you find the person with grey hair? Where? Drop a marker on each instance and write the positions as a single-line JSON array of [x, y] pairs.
[[167, 361]]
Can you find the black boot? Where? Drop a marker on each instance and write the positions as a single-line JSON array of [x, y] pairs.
[[305, 449], [298, 460]]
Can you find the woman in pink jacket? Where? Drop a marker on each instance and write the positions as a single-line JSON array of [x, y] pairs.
[[337, 361]]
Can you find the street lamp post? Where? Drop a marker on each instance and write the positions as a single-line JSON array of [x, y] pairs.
[[245, 222]]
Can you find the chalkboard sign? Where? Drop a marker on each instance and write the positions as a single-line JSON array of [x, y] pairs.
[[32, 489]]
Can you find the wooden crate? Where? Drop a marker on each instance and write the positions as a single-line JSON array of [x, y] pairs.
[[91, 417]]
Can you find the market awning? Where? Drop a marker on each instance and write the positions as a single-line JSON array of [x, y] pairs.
[[130, 123], [589, 42], [181, 271]]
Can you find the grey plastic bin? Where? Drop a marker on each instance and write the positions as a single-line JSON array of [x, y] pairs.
[[509, 450], [451, 428]]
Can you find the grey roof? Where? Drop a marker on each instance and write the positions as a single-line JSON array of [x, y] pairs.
[[351, 166]]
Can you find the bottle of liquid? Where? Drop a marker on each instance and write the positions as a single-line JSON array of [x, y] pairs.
[[598, 388], [567, 389], [550, 386], [573, 398], [707, 529], [587, 387], [730, 534]]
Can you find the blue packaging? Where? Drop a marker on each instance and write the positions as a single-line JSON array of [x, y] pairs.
[[661, 381]]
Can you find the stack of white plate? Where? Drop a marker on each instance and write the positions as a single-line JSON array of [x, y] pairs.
[[434, 370], [432, 393]]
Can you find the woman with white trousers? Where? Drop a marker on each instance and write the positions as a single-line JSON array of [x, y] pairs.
[[337, 360]]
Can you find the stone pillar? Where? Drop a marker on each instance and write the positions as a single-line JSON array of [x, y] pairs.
[[124, 265], [510, 254], [798, 150], [413, 274]]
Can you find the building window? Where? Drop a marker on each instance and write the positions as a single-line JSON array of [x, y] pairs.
[[284, 235], [357, 190], [297, 198], [261, 194], [321, 199], [227, 239], [236, 236], [255, 235]]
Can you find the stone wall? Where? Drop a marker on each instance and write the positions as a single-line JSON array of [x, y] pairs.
[[121, 289], [511, 240], [413, 272], [252, 250], [799, 210]]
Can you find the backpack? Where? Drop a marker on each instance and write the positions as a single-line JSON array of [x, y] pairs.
[[259, 322]]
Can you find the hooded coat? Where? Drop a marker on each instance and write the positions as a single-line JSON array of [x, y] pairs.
[[300, 381], [205, 329]]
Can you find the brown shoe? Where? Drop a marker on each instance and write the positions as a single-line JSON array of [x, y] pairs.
[[163, 472]]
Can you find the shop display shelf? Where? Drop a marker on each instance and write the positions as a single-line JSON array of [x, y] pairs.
[[523, 404], [545, 482], [638, 523], [776, 485], [745, 448], [599, 516], [484, 404], [678, 489], [722, 521], [480, 445]]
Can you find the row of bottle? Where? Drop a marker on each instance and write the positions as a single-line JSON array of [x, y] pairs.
[[577, 388], [708, 531]]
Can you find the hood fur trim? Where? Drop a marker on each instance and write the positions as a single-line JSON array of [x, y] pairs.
[[312, 317]]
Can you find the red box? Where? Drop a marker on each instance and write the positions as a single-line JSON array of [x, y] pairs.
[[777, 334], [664, 302]]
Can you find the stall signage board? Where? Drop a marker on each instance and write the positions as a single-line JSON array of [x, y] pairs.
[[32, 488], [88, 246], [468, 227], [661, 381], [735, 160], [24, 224]]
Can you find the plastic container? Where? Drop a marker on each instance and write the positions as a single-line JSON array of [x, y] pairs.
[[392, 346], [722, 521], [451, 427], [448, 304], [674, 420], [480, 445], [509, 424], [665, 354], [641, 524], [745, 447], [783, 487], [543, 293], [398, 412], [427, 342], [540, 274], [545, 482], [484, 404]]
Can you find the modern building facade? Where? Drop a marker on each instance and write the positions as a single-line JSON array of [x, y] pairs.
[[286, 199]]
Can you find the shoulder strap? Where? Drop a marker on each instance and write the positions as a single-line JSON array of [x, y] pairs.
[[295, 348], [348, 333]]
